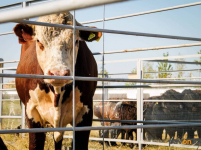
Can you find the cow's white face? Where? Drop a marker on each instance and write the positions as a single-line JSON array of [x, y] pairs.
[[54, 47]]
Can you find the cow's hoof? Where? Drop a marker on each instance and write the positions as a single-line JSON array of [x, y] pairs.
[[131, 145], [113, 143]]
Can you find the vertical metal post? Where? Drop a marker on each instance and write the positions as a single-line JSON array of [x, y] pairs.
[[103, 71], [23, 117], [25, 4], [1, 92], [74, 79], [139, 104], [106, 96]]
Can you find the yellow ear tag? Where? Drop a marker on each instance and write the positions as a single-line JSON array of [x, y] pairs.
[[98, 39], [91, 36]]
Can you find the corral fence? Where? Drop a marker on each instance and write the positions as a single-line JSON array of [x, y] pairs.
[[55, 7]]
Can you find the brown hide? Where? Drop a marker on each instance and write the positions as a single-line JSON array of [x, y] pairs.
[[28, 65], [114, 110]]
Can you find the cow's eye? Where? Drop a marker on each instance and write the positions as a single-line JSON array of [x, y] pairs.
[[76, 42], [40, 45]]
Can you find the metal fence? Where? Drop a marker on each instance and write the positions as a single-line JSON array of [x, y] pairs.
[[55, 7]]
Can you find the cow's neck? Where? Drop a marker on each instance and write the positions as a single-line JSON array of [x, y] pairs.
[[57, 89]]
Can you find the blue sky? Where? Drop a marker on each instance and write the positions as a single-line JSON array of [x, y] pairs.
[[180, 22]]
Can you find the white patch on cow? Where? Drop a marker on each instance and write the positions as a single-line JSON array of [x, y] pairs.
[[58, 44], [41, 109]]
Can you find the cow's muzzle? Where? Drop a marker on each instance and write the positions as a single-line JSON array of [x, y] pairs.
[[58, 82]]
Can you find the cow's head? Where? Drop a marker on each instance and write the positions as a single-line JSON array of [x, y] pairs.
[[54, 46]]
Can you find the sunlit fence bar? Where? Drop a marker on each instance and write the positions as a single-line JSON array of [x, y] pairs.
[[55, 7], [144, 13], [97, 128], [110, 31], [49, 8], [96, 79], [6, 33], [146, 49]]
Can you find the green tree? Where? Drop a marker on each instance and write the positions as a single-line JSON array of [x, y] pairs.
[[180, 66], [104, 76], [147, 67], [198, 61], [164, 66], [101, 72]]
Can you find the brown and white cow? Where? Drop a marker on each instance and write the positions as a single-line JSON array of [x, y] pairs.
[[49, 51], [117, 111]]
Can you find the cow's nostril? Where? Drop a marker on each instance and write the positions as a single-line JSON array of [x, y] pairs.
[[66, 73], [50, 73]]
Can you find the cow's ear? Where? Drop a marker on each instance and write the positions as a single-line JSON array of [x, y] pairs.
[[24, 32], [90, 36]]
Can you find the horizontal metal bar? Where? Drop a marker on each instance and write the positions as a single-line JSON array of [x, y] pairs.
[[95, 79], [46, 24], [144, 13], [11, 89], [156, 72], [50, 8], [6, 33], [9, 68], [172, 57], [97, 128], [172, 71], [133, 86], [171, 145], [192, 78], [7, 83], [147, 100], [10, 117], [183, 101], [115, 100], [10, 99], [10, 5], [147, 49], [128, 60], [110, 31], [105, 139], [178, 62], [19, 3], [148, 86], [138, 33], [146, 59], [148, 122], [118, 73], [13, 61]]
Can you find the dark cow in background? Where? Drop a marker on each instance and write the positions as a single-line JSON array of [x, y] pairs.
[[173, 111], [116, 111], [49, 51], [156, 111]]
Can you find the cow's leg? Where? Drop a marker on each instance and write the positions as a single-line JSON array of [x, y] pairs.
[[114, 135], [106, 135], [58, 145], [123, 136], [130, 136], [36, 140], [82, 137]]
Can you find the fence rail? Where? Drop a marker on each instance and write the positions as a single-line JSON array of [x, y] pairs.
[[54, 7]]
